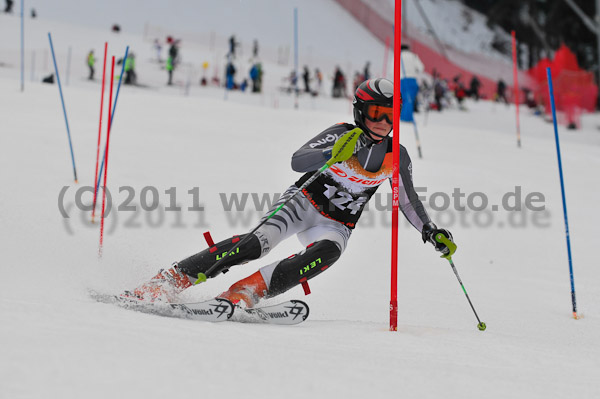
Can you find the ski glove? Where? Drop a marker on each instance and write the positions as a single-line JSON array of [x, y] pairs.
[[429, 233], [344, 147]]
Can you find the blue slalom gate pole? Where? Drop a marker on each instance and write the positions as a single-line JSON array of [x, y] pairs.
[[63, 105], [23, 46], [296, 54], [112, 114], [562, 190]]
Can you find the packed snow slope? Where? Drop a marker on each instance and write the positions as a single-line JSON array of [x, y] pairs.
[[205, 148]]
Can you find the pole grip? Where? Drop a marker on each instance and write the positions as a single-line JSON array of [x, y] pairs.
[[451, 246]]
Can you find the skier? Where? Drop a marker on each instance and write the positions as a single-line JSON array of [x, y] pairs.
[[322, 216]]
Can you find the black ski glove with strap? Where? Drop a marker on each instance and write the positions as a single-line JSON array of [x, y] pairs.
[[430, 231]]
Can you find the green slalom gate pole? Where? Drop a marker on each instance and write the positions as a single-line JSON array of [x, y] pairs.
[[452, 247], [202, 277]]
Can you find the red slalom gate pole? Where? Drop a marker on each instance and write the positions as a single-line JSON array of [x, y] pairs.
[[516, 78], [99, 131], [112, 73], [396, 167]]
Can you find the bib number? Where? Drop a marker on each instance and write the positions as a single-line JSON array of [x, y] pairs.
[[344, 201]]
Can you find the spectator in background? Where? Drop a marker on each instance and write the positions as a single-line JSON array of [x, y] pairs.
[[158, 48], [230, 73], [232, 45], [91, 61], [9, 6], [319, 77], [255, 49], [366, 72], [116, 28], [474, 87], [439, 91], [49, 79], [306, 79], [411, 68], [501, 91], [293, 82], [459, 91], [130, 75], [256, 73], [174, 52], [170, 67], [358, 79], [339, 83], [529, 98], [33, 13]]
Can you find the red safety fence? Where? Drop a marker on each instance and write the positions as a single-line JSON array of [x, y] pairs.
[[575, 90], [447, 66]]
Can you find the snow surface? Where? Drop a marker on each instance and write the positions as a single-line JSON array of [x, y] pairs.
[[55, 342]]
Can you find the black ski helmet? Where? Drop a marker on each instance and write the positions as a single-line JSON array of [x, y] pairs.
[[378, 91]]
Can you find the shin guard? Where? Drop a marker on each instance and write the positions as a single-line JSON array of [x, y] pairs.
[[204, 260], [303, 266]]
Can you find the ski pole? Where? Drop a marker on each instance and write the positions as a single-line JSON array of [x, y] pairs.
[[202, 276], [442, 239]]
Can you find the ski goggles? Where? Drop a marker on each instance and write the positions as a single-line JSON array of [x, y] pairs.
[[377, 113]]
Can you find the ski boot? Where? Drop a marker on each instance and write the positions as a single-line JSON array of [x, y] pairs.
[[247, 291], [164, 287]]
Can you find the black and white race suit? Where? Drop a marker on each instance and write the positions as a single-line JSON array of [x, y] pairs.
[[322, 216]]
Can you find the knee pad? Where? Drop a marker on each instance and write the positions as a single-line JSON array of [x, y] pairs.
[[315, 259], [204, 260]]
